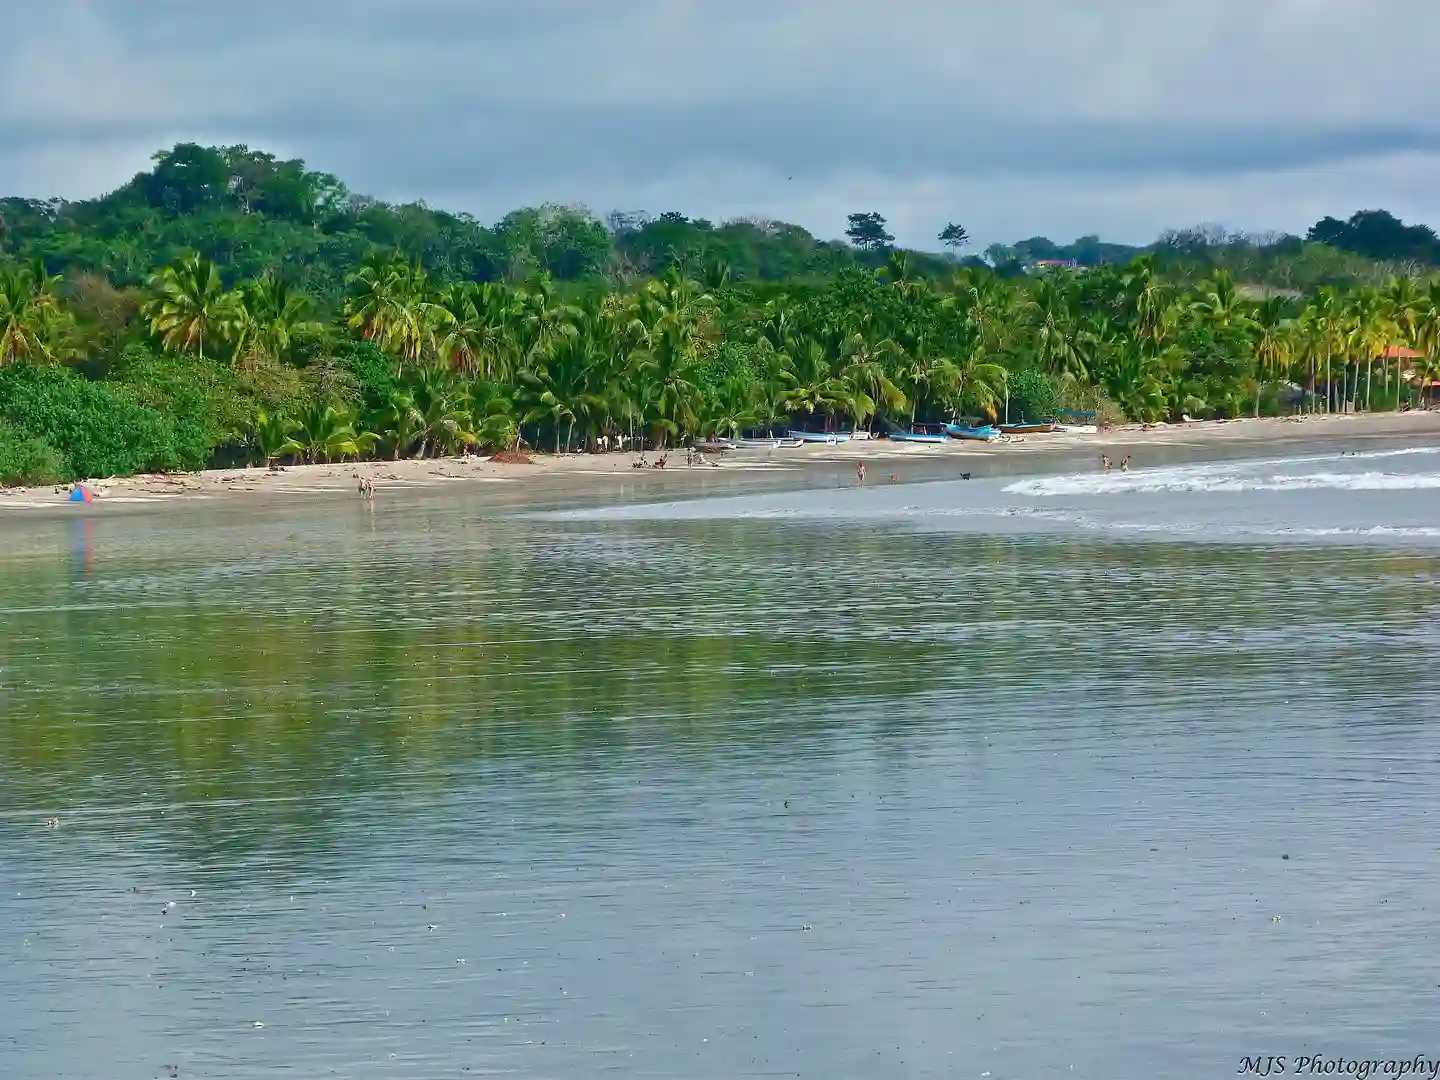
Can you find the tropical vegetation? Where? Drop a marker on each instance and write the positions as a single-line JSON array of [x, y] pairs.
[[226, 307]]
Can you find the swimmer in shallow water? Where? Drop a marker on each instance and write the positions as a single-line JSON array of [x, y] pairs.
[[1105, 462], [1125, 464], [860, 473]]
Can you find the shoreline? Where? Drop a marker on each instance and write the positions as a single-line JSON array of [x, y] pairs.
[[584, 477]]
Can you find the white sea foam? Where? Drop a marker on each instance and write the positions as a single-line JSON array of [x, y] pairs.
[[1221, 478]]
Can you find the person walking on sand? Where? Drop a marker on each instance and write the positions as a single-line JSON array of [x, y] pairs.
[[860, 473]]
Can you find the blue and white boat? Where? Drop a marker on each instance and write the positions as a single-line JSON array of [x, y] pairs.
[[983, 433], [824, 438]]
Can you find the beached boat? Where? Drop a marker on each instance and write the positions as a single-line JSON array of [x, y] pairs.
[[919, 433], [1026, 429], [825, 438], [1076, 423], [775, 443], [983, 433], [713, 446]]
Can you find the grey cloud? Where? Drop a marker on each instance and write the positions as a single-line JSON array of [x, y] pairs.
[[897, 103]]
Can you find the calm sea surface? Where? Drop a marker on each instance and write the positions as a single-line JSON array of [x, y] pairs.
[[1076, 776]]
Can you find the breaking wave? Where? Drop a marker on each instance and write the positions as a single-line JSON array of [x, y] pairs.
[[1279, 475]]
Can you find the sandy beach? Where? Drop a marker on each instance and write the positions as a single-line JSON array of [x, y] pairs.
[[571, 476]]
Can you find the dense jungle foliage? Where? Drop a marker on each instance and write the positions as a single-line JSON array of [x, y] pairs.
[[227, 307]]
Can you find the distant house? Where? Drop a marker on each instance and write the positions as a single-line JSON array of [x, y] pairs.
[[1399, 352], [1429, 388], [1396, 353], [1041, 265]]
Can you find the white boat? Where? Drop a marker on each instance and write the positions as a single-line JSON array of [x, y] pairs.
[[776, 443], [825, 438], [1077, 429]]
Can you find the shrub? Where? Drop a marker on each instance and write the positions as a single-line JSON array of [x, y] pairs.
[[372, 369], [100, 429], [1034, 395], [28, 460], [201, 399]]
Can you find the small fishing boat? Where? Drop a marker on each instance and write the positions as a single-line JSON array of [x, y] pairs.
[[920, 433], [713, 446], [1026, 429], [775, 443], [1076, 423], [982, 433], [824, 438]]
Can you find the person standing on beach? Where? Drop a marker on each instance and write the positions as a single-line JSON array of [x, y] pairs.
[[860, 473]]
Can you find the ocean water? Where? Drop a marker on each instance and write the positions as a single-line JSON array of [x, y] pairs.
[[1079, 775], [1389, 495]]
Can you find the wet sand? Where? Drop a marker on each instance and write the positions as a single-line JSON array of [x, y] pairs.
[[583, 477]]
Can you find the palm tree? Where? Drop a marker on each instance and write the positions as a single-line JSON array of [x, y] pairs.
[[492, 417], [734, 408], [272, 319], [1272, 335], [443, 409], [392, 303], [814, 387], [1369, 335], [1220, 302], [1136, 380], [190, 304], [1405, 306], [1324, 332], [1056, 331], [924, 372], [981, 384], [673, 312], [470, 337], [863, 364], [1147, 302], [400, 423], [325, 432], [272, 436], [1427, 337], [32, 324], [540, 320]]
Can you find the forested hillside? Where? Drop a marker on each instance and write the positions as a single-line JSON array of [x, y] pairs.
[[227, 306]]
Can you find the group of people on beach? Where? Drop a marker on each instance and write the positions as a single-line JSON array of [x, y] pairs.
[[693, 457], [366, 487], [1106, 464]]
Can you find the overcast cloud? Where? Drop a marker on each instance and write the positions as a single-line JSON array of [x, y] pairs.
[[1015, 118]]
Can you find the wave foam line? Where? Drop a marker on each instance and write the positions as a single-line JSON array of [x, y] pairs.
[[1166, 480]]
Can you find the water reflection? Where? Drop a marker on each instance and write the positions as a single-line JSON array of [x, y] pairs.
[[82, 546], [1011, 784]]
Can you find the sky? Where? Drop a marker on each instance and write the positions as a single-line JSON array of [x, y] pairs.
[[1015, 119]]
